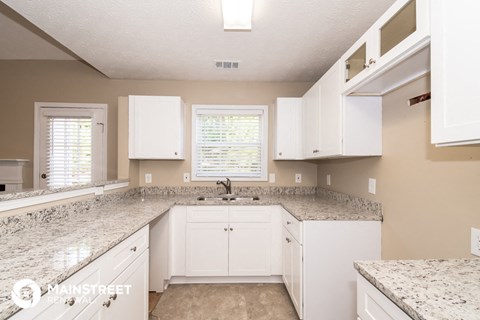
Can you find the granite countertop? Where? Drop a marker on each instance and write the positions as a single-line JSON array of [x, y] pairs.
[[52, 249], [428, 289]]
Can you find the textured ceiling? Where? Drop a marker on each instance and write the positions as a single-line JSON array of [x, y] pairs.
[[291, 40]]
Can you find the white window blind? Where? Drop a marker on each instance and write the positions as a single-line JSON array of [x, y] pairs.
[[68, 151], [229, 143]]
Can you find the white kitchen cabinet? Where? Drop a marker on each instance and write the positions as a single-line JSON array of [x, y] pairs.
[[292, 270], [156, 127], [207, 249], [288, 129], [392, 52], [249, 249], [318, 264], [228, 241], [455, 94], [374, 305], [124, 264], [130, 305], [311, 122], [341, 126]]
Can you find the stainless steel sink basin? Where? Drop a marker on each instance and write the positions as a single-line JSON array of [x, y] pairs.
[[228, 198]]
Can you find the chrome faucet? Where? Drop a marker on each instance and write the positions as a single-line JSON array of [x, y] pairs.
[[227, 185]]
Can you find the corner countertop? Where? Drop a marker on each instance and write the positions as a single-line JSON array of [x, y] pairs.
[[428, 289], [52, 250]]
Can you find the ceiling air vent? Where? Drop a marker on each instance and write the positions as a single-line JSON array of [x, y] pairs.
[[226, 64]]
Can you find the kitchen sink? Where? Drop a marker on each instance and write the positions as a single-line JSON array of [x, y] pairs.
[[228, 198]]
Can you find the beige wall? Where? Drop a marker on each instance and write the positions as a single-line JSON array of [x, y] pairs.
[[431, 196], [24, 82]]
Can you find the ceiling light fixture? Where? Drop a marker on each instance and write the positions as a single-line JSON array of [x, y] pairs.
[[237, 14]]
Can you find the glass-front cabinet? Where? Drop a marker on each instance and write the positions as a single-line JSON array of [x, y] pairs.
[[399, 33]]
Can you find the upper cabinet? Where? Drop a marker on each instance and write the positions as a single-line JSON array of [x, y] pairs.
[[287, 129], [156, 127], [339, 126], [394, 51], [311, 122], [455, 95]]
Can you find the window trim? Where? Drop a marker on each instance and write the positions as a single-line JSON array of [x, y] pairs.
[[36, 142], [264, 143]]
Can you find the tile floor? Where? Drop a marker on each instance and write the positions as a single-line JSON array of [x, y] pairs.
[[225, 302]]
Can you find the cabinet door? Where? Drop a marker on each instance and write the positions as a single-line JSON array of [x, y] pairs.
[[207, 249], [292, 270], [297, 276], [455, 94], [311, 121], [132, 304], [288, 121], [331, 112], [155, 127], [287, 259], [249, 249]]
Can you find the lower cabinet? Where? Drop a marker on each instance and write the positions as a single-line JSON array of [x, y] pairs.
[[122, 272], [129, 305], [374, 305], [318, 267], [231, 241], [292, 270]]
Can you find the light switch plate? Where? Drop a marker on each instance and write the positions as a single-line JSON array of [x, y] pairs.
[[186, 177], [475, 243], [148, 178], [271, 178], [372, 186], [329, 180], [298, 178]]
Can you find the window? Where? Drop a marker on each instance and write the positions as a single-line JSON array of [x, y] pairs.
[[229, 141], [71, 144]]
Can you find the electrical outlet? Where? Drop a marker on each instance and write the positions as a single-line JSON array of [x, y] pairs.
[[298, 178], [186, 177], [372, 186], [475, 243], [148, 178], [271, 178], [329, 180]]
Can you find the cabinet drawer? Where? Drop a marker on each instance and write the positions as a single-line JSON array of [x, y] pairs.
[[249, 214], [207, 214], [292, 225], [125, 253], [374, 305]]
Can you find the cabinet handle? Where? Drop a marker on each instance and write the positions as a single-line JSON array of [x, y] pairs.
[[176, 153], [231, 229], [279, 153], [225, 229], [288, 240], [107, 303], [113, 296], [70, 301], [133, 249], [288, 222]]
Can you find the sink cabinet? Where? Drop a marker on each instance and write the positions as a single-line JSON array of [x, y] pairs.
[[228, 241]]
